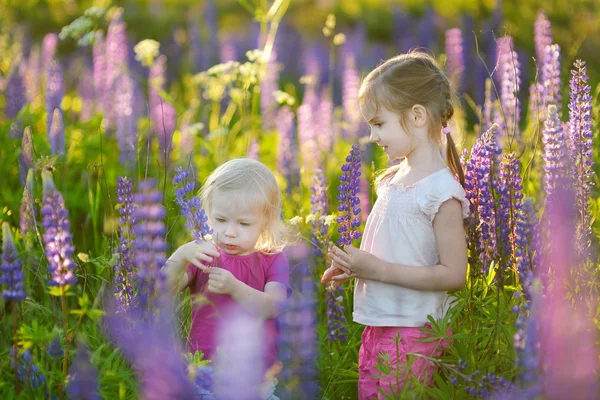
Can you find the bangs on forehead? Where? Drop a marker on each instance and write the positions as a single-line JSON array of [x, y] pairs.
[[249, 197], [371, 98]]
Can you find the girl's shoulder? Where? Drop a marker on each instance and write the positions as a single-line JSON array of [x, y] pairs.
[[440, 187]]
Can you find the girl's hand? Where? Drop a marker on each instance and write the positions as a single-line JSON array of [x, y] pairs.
[[335, 276], [220, 281], [200, 254], [356, 263]]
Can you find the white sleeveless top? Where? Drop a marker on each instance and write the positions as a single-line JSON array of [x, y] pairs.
[[400, 230]]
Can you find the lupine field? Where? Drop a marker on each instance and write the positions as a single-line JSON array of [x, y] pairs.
[[113, 114]]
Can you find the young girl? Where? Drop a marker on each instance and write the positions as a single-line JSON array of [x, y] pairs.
[[413, 249], [243, 265]]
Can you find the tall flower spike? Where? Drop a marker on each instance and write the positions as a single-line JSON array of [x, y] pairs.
[[149, 244], [123, 279], [162, 114], [126, 120], [349, 207], [350, 85], [287, 152], [555, 150], [510, 81], [15, 93], [56, 135], [319, 207], [57, 238], [11, 271], [581, 150], [54, 91], [28, 371], [196, 219], [83, 380], [27, 211], [26, 156], [454, 51], [551, 78]]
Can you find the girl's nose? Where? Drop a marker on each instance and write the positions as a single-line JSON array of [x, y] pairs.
[[373, 138], [230, 231]]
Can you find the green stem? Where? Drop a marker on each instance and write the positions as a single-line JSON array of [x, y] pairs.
[[63, 302]]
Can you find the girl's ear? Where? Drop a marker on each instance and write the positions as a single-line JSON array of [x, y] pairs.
[[418, 115]]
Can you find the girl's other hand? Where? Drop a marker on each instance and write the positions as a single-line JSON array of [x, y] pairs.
[[355, 262]]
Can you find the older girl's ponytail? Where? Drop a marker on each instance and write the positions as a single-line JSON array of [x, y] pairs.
[[453, 159]]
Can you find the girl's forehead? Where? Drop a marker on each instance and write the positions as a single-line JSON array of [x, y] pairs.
[[233, 202]]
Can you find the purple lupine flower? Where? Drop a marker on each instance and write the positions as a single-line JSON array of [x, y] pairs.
[[488, 106], [56, 134], [211, 21], [162, 114], [510, 214], [542, 38], [149, 244], [319, 207], [308, 135], [455, 66], [203, 379], [401, 29], [28, 372], [533, 234], [57, 238], [123, 279], [55, 348], [26, 156], [253, 151], [49, 46], [242, 359], [363, 195], [15, 93], [83, 380], [116, 62], [287, 152], [151, 344], [551, 78], [11, 271], [324, 124], [269, 83], [336, 319], [197, 56], [32, 74], [478, 181], [99, 67], [581, 150], [555, 150], [54, 91], [86, 92], [426, 28], [298, 339], [28, 209], [567, 339], [125, 120], [510, 81], [196, 219], [227, 49], [350, 85], [349, 207]]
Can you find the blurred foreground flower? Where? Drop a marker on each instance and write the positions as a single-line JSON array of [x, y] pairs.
[[11, 271]]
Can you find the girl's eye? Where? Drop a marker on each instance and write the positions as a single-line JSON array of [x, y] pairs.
[[378, 124], [220, 220], [244, 224]]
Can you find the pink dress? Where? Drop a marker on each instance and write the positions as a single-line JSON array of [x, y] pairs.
[[255, 270]]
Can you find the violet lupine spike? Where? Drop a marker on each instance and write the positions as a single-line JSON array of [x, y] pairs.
[[11, 270], [15, 93], [319, 207], [581, 150], [32, 74], [123, 279], [287, 152], [455, 65], [551, 78], [253, 150], [307, 133], [242, 359], [196, 219], [125, 120], [26, 156], [99, 68], [49, 46], [28, 209], [336, 319], [542, 38], [555, 150], [298, 341], [350, 86], [510, 81], [510, 215], [57, 237], [269, 83], [56, 134], [116, 63], [151, 344], [162, 114], [349, 207], [488, 106], [526, 338], [533, 234], [478, 185], [54, 91], [28, 371], [83, 377], [149, 244], [325, 122]]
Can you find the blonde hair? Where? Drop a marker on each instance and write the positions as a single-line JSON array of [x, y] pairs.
[[251, 183], [400, 83]]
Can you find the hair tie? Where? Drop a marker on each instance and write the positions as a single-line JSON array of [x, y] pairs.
[[446, 130]]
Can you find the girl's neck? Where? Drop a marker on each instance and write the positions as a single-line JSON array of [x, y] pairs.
[[424, 157]]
